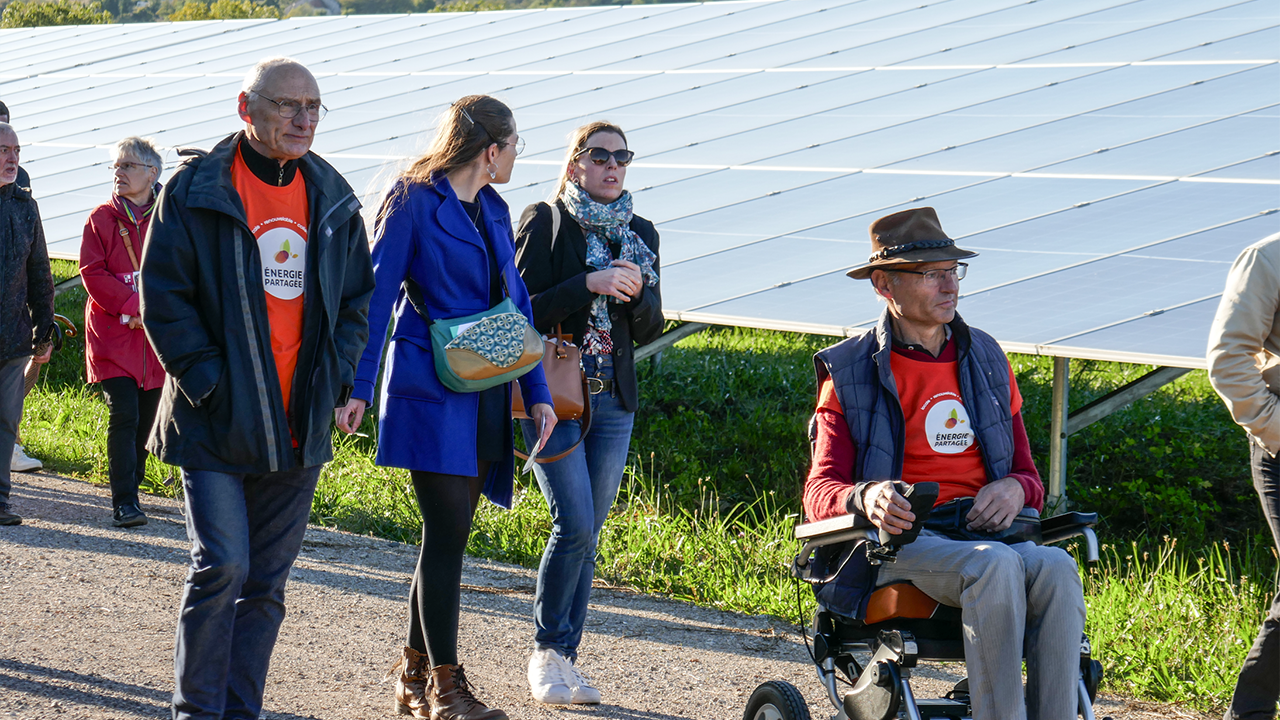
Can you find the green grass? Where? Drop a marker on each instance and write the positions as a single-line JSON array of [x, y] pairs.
[[719, 455]]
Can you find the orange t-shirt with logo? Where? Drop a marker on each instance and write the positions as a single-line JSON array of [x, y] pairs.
[[278, 219], [941, 445]]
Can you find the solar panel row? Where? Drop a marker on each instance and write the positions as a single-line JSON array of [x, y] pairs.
[[1108, 158]]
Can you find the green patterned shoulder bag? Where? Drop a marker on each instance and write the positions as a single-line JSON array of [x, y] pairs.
[[482, 350]]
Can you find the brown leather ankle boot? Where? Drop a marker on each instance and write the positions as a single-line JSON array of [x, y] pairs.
[[451, 698], [410, 672]]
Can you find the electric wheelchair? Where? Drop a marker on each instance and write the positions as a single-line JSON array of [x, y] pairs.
[[902, 626]]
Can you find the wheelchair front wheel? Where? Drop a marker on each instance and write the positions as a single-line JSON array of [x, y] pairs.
[[776, 700]]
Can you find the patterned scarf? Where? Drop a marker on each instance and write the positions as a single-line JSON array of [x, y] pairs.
[[605, 224]]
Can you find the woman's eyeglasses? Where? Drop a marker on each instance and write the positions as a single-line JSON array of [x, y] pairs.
[[600, 156]]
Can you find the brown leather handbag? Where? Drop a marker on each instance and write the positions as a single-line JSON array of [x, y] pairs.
[[562, 365]]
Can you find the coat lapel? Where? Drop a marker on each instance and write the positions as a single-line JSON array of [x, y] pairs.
[[452, 217]]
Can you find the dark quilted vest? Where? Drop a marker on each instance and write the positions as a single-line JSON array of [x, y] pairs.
[[859, 368]]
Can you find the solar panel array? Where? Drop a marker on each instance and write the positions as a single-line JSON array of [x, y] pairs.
[[1107, 158]]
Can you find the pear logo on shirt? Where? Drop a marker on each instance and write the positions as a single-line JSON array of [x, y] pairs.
[[284, 262], [947, 424]]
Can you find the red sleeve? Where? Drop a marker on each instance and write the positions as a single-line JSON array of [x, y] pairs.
[[102, 285], [1024, 468], [826, 492]]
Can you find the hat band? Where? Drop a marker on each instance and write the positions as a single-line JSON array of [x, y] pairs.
[[908, 247]]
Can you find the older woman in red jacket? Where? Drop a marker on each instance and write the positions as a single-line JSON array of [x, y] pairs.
[[116, 349]]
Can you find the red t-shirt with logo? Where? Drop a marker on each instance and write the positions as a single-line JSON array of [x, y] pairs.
[[278, 219], [940, 442]]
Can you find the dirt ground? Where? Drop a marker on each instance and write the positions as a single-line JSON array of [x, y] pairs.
[[89, 614]]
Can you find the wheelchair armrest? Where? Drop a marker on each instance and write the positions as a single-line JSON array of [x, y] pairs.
[[1069, 525], [832, 527]]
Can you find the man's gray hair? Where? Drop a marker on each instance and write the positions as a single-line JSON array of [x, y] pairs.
[[258, 74], [140, 148], [7, 128]]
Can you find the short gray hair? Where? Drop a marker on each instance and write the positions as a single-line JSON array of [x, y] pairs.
[[7, 128], [144, 149], [258, 74]]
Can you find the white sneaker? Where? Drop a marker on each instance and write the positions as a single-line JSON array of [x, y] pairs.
[[549, 677], [21, 462], [583, 692]]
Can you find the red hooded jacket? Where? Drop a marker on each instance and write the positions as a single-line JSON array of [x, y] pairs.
[[111, 349]]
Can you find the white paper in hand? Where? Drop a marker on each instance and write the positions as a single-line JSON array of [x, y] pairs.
[[537, 448]]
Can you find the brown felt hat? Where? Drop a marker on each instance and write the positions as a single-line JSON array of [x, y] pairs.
[[907, 237]]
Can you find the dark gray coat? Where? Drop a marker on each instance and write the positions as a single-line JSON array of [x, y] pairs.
[[204, 309], [26, 284]]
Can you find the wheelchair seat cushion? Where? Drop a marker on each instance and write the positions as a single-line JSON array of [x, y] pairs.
[[899, 600]]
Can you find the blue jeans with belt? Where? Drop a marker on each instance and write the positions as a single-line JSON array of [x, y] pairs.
[[246, 531], [579, 489]]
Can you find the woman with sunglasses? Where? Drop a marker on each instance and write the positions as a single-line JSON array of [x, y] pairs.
[[442, 227], [116, 351], [592, 268]]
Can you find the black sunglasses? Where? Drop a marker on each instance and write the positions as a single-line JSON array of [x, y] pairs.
[[600, 156]]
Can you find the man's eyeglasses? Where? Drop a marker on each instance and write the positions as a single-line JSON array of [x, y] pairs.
[[289, 109], [600, 156], [129, 166], [934, 277]]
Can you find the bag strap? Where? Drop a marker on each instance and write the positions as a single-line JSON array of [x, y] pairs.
[[128, 244], [414, 292], [584, 423]]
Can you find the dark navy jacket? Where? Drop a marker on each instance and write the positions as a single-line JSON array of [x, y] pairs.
[[863, 381], [424, 233], [205, 312]]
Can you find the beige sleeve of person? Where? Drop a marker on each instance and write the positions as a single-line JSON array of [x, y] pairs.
[[1244, 343]]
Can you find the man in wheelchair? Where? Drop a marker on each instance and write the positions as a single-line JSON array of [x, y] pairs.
[[925, 398]]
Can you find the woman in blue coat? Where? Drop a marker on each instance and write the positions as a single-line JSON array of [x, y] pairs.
[[444, 227]]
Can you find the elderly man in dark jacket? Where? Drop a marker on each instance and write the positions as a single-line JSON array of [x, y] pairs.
[[26, 299], [256, 281]]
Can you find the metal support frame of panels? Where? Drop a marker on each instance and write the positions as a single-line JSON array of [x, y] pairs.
[[669, 338], [1064, 424]]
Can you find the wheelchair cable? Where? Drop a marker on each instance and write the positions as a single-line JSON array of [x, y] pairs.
[[805, 634]]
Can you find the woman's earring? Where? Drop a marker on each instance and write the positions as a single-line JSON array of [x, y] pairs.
[[493, 172]]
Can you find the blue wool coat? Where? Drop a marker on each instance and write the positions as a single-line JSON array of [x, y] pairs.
[[424, 233]]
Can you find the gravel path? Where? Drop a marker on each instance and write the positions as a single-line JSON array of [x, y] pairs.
[[89, 613]]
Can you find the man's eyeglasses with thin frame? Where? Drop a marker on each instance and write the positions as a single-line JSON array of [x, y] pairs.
[[289, 109], [934, 277]]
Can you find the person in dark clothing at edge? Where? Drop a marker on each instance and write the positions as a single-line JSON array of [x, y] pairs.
[[924, 397], [20, 461], [26, 298], [256, 279]]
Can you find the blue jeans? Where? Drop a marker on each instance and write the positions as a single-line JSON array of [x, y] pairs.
[[246, 531], [580, 489]]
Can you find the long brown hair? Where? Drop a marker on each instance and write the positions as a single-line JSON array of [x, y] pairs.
[[578, 142], [466, 128]]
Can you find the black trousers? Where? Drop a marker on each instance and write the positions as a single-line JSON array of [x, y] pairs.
[[447, 503], [132, 412], [1258, 688]]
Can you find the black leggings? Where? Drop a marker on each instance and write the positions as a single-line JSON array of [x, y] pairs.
[[132, 410], [447, 503]]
